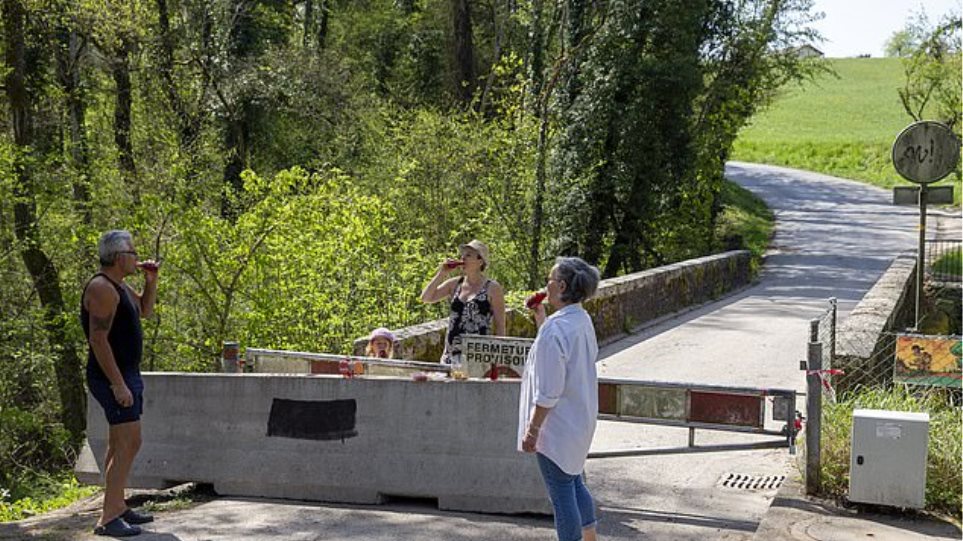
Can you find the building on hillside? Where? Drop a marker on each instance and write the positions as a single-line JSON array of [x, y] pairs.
[[808, 51]]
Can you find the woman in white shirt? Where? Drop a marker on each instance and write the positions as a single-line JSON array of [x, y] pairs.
[[559, 396]]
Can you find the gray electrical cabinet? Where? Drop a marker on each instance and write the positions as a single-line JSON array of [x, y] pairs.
[[888, 458]]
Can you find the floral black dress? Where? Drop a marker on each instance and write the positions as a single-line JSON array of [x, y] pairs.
[[474, 316]]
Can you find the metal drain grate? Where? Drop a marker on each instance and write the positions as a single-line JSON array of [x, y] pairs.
[[742, 481]]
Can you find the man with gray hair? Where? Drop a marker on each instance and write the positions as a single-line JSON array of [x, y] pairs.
[[110, 314]]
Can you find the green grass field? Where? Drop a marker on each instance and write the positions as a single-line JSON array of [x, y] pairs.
[[842, 126]]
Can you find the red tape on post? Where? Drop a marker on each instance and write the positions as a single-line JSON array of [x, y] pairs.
[[824, 376]]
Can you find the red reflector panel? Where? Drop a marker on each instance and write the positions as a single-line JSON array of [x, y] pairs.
[[725, 409], [324, 367], [608, 394]]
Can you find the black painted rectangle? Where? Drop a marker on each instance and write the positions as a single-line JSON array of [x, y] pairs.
[[312, 419]]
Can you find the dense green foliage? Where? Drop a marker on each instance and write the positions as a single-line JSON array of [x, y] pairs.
[[654, 107], [48, 492], [944, 469], [302, 165], [844, 123], [745, 222]]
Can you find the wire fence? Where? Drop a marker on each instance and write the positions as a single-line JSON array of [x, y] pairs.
[[867, 360], [945, 260], [826, 332], [857, 359], [864, 360]]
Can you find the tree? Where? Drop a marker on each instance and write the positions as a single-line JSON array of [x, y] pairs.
[[659, 97], [22, 102], [932, 72], [69, 51], [463, 50], [749, 56], [900, 43]]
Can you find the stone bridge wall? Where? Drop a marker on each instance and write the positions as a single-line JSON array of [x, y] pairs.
[[864, 342], [621, 305]]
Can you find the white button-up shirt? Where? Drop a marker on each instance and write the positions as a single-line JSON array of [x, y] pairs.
[[560, 374]]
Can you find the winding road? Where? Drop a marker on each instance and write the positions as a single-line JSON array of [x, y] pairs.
[[833, 238]]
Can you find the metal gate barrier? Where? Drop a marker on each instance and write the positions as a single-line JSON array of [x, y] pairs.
[[693, 406], [281, 361], [696, 406]]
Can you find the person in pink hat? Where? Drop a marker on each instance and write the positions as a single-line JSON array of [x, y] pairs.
[[477, 303], [381, 344]]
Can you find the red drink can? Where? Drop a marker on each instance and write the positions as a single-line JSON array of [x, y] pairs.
[[535, 300]]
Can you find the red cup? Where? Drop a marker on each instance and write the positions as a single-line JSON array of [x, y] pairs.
[[535, 300], [344, 367], [148, 265], [454, 264]]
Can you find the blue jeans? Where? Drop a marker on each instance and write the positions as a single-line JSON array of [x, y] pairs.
[[573, 505]]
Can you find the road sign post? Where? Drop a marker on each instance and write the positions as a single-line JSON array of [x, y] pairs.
[[925, 152]]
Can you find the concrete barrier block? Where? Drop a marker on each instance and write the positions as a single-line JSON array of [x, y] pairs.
[[454, 441]]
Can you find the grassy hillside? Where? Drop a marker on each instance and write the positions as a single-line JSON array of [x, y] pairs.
[[842, 126]]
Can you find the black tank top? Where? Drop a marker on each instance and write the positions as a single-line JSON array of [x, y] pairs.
[[474, 316], [126, 338]]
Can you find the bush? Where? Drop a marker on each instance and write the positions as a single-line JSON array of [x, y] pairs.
[[943, 468], [28, 445], [34, 465], [47, 492]]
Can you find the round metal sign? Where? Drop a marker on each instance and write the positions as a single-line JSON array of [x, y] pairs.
[[925, 152]]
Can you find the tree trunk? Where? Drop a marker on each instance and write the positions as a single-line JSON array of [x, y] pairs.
[[601, 200], [69, 50], [534, 272], [42, 271], [464, 51], [308, 23], [235, 142], [120, 70], [536, 53], [407, 7], [574, 34], [323, 25], [539, 98], [187, 128]]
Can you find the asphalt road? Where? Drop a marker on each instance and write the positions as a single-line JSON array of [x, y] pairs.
[[833, 239]]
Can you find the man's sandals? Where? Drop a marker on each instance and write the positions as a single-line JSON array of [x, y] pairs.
[[133, 517], [122, 525]]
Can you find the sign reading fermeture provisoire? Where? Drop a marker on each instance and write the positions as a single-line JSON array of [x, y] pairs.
[[925, 152], [482, 354]]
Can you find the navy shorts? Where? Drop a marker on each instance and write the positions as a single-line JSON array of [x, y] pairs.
[[115, 413]]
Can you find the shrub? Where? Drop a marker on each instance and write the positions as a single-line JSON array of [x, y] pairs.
[[943, 468]]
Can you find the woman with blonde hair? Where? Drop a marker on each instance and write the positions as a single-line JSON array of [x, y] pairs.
[[477, 303]]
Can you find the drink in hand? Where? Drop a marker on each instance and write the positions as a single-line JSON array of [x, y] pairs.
[[454, 264], [148, 265], [535, 300]]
